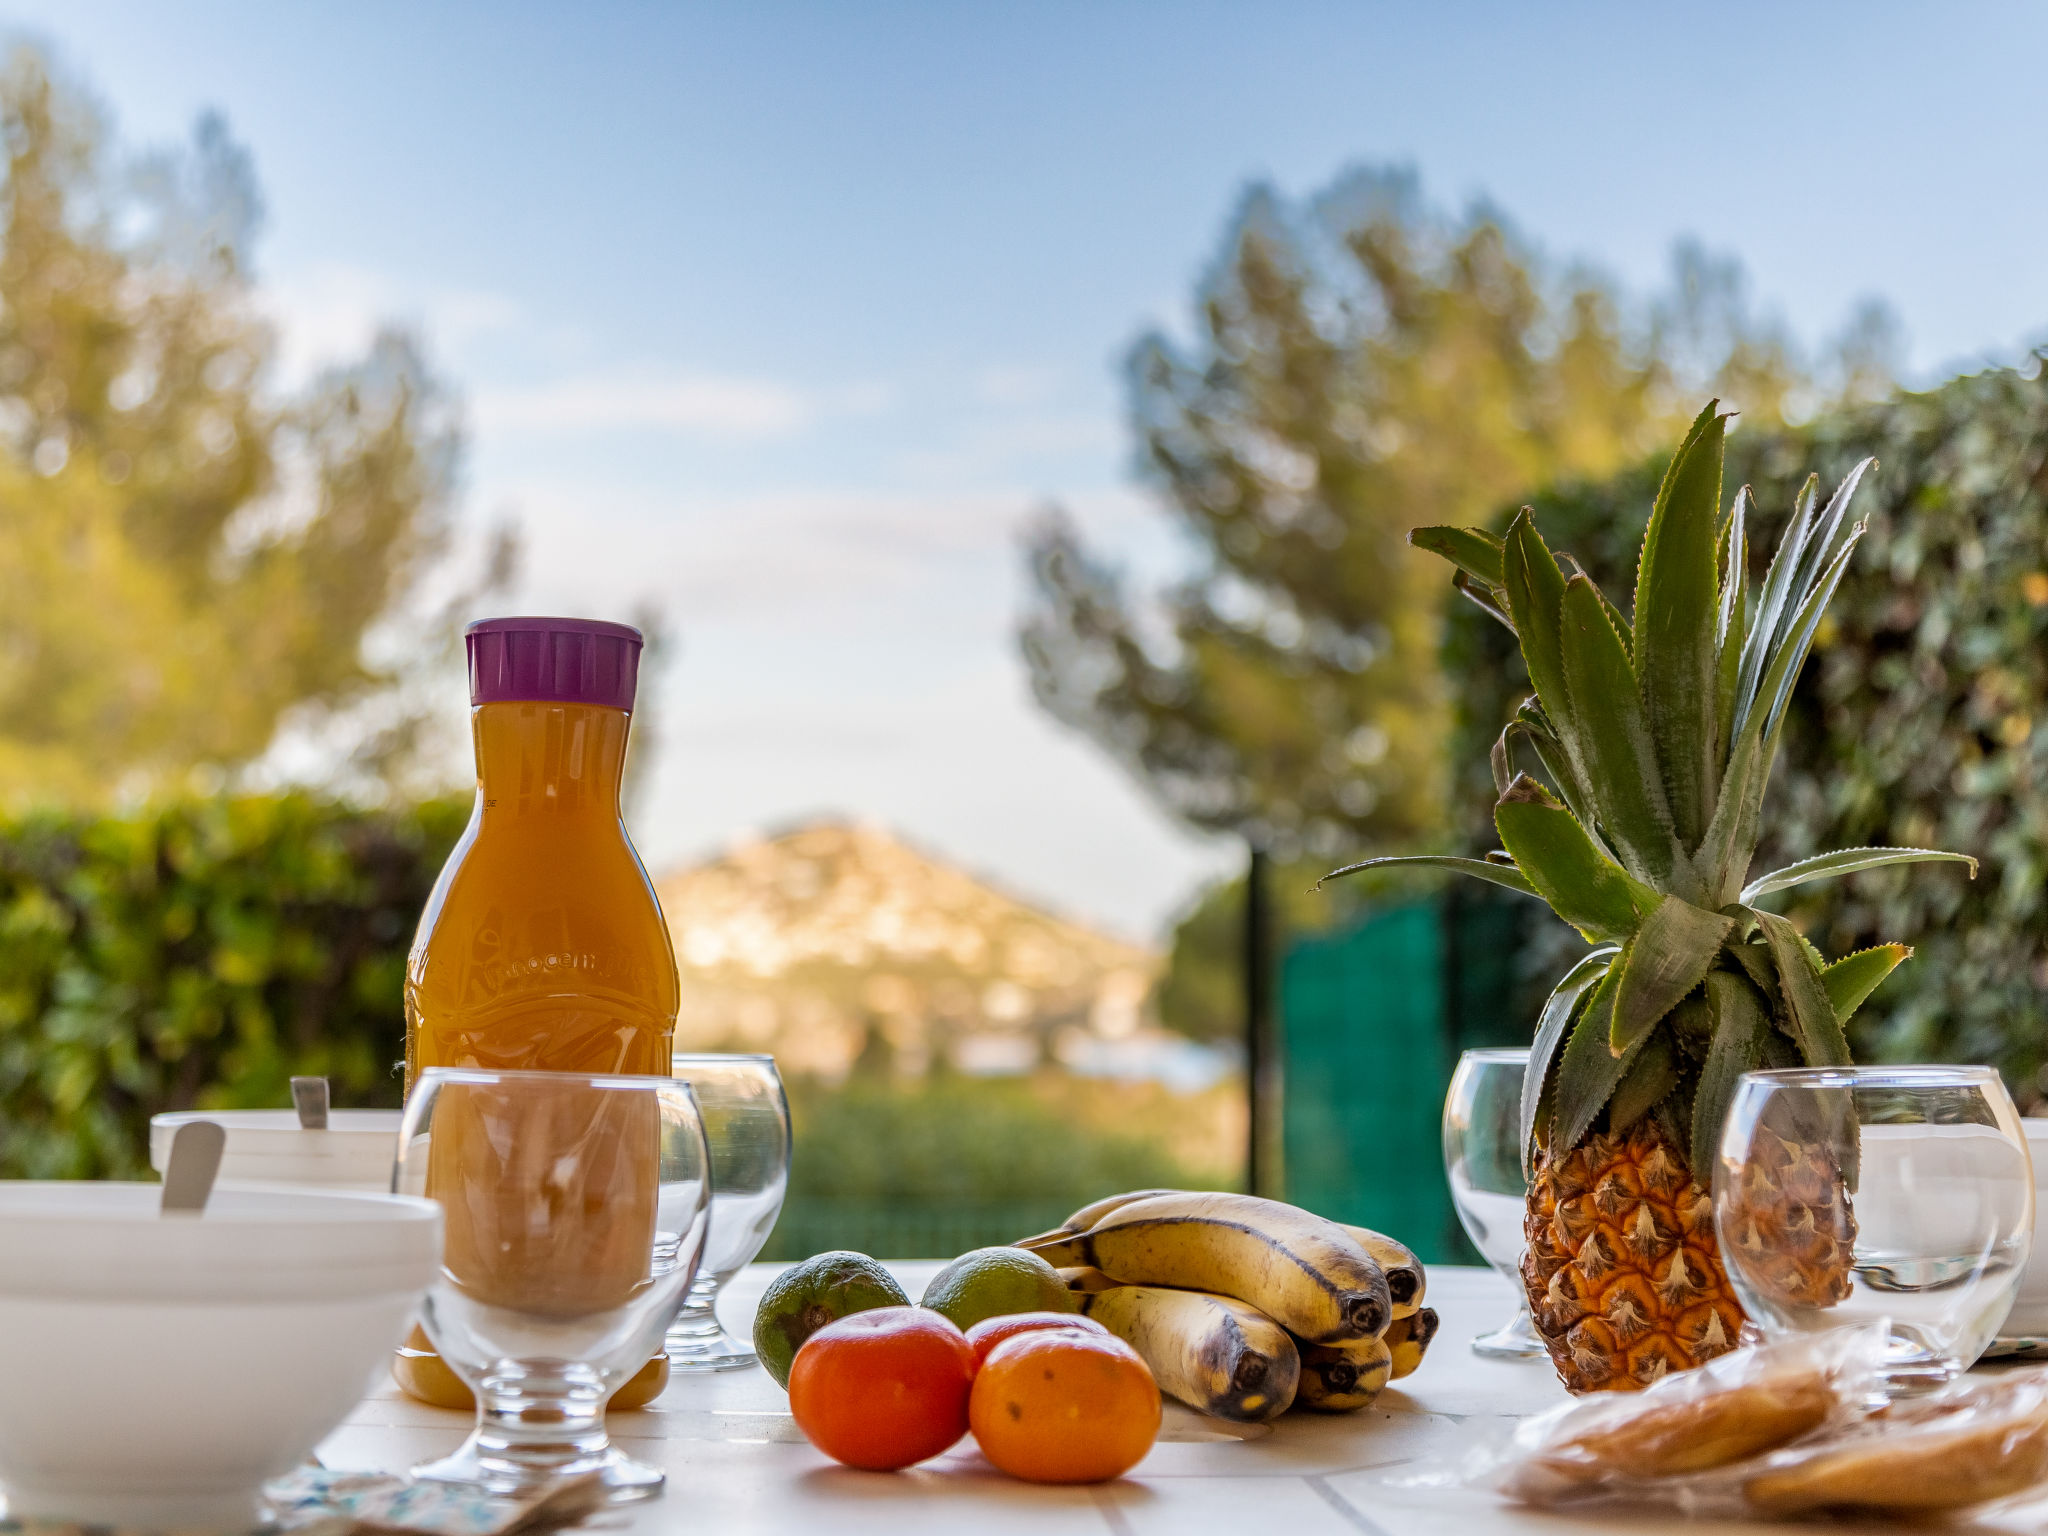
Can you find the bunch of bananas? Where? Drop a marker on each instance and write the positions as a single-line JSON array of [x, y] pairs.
[[1243, 1306]]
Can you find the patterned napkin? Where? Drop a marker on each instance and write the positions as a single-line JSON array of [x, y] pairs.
[[315, 1501]]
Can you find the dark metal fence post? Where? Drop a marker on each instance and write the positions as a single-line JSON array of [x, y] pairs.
[[1262, 1057]]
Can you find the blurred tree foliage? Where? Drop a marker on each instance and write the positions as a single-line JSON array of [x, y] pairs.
[[1359, 366], [1921, 720], [189, 557], [200, 953], [1200, 992]]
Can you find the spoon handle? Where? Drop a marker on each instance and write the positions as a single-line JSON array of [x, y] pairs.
[[309, 1098], [194, 1160]]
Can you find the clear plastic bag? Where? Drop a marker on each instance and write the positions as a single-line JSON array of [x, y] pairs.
[[1784, 1431], [1975, 1442], [1629, 1446]]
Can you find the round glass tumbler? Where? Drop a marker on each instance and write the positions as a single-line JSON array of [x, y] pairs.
[[575, 1209], [746, 1124], [1483, 1158], [1847, 1194]]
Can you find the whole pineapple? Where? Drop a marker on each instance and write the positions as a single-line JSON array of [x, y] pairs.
[[1657, 737]]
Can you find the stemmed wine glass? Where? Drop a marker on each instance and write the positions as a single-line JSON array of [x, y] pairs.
[[746, 1124], [1843, 1195], [1483, 1157], [575, 1212]]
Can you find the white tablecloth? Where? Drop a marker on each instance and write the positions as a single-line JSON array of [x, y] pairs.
[[737, 1464]]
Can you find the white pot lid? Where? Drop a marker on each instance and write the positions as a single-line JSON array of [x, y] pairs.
[[357, 1147]]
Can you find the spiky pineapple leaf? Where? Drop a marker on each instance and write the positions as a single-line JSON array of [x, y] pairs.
[[1676, 612], [1502, 758], [1674, 1115], [1815, 1028], [1588, 1073], [1811, 544], [1470, 549], [1614, 741], [1670, 954], [1830, 528], [1755, 960], [1847, 861], [1535, 592], [1774, 600], [1733, 544], [1615, 616], [1558, 1013], [1492, 599], [1582, 884], [1853, 978], [1724, 853], [1646, 1084], [1557, 763], [1691, 1026], [1742, 1039], [1788, 615], [1730, 625], [1772, 702], [1480, 869]]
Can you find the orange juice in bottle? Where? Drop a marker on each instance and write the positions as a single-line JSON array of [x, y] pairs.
[[542, 947]]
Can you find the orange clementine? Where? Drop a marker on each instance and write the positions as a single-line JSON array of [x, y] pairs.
[[991, 1331], [1062, 1406], [883, 1388]]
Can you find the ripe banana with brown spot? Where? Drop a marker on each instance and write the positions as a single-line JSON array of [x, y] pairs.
[[1407, 1281], [1342, 1378], [1307, 1274], [1408, 1338], [1213, 1353], [1082, 1280]]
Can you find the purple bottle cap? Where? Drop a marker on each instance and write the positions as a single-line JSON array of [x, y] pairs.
[[573, 661]]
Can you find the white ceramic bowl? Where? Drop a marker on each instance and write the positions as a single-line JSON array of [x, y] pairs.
[[156, 1371], [2029, 1316], [266, 1147]]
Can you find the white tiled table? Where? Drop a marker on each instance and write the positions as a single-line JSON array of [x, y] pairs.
[[737, 1465]]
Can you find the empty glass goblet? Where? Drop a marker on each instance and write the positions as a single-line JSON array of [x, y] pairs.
[[746, 1123], [575, 1211], [1847, 1194], [1483, 1157]]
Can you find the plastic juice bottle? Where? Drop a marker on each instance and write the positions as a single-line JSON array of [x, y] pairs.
[[542, 946]]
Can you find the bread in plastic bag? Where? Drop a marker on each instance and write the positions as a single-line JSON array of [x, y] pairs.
[[1781, 1431], [1730, 1410], [1975, 1442]]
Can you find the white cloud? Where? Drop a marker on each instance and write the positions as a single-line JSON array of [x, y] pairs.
[[1018, 439], [766, 553], [797, 557], [328, 314], [706, 403]]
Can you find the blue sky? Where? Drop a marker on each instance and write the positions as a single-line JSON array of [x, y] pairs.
[[786, 315]]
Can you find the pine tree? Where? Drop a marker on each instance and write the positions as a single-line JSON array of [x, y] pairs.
[[190, 555]]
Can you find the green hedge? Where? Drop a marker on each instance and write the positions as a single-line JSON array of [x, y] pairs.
[[927, 1169], [199, 953], [1921, 720]]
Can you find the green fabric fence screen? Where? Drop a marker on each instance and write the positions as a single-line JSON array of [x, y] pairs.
[[1372, 1019]]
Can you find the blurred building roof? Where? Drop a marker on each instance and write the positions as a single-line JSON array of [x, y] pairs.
[[836, 941]]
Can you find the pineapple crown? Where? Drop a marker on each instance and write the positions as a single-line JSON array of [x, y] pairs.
[[1658, 737]]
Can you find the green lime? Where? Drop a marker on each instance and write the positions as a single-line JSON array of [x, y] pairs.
[[994, 1282], [807, 1296]]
